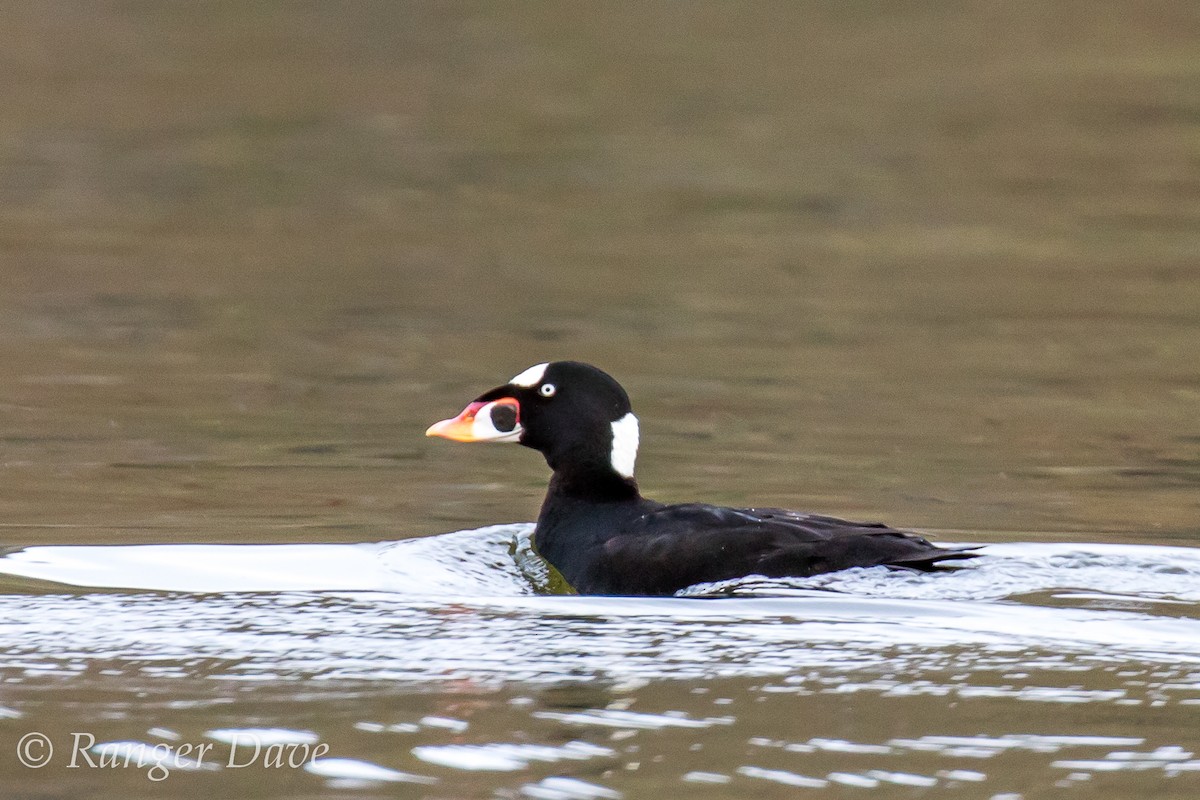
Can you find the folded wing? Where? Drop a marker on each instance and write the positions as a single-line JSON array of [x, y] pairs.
[[672, 547]]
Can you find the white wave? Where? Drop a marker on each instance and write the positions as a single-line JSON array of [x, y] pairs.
[[459, 605], [464, 563], [1070, 571]]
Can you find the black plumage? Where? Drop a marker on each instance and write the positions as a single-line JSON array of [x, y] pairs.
[[605, 538]]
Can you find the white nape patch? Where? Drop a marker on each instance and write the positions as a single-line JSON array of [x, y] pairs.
[[531, 376], [625, 444]]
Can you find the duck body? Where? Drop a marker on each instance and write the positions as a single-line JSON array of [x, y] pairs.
[[605, 538], [642, 547]]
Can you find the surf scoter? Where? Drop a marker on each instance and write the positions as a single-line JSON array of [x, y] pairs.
[[605, 538]]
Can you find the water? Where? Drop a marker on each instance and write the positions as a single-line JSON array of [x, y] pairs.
[[927, 265], [435, 662]]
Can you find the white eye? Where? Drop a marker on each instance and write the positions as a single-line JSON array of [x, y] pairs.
[[547, 390]]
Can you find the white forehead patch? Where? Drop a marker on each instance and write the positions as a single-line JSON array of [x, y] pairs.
[[531, 376], [625, 444]]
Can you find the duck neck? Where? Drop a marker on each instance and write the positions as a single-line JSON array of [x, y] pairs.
[[595, 483]]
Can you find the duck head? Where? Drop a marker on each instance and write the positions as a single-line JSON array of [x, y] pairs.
[[574, 414]]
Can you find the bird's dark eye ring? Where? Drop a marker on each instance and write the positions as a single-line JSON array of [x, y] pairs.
[[547, 390]]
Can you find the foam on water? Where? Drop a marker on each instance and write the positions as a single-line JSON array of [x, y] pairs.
[[463, 605]]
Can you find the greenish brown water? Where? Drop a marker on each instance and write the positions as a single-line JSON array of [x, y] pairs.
[[930, 265]]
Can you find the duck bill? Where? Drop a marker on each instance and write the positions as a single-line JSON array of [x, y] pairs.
[[492, 421]]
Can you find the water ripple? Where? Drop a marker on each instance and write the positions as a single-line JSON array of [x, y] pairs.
[[459, 606]]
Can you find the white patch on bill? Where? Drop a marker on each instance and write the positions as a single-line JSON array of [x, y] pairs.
[[531, 376], [625, 444], [483, 429]]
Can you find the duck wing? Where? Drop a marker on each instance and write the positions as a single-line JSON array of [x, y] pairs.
[[669, 548]]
